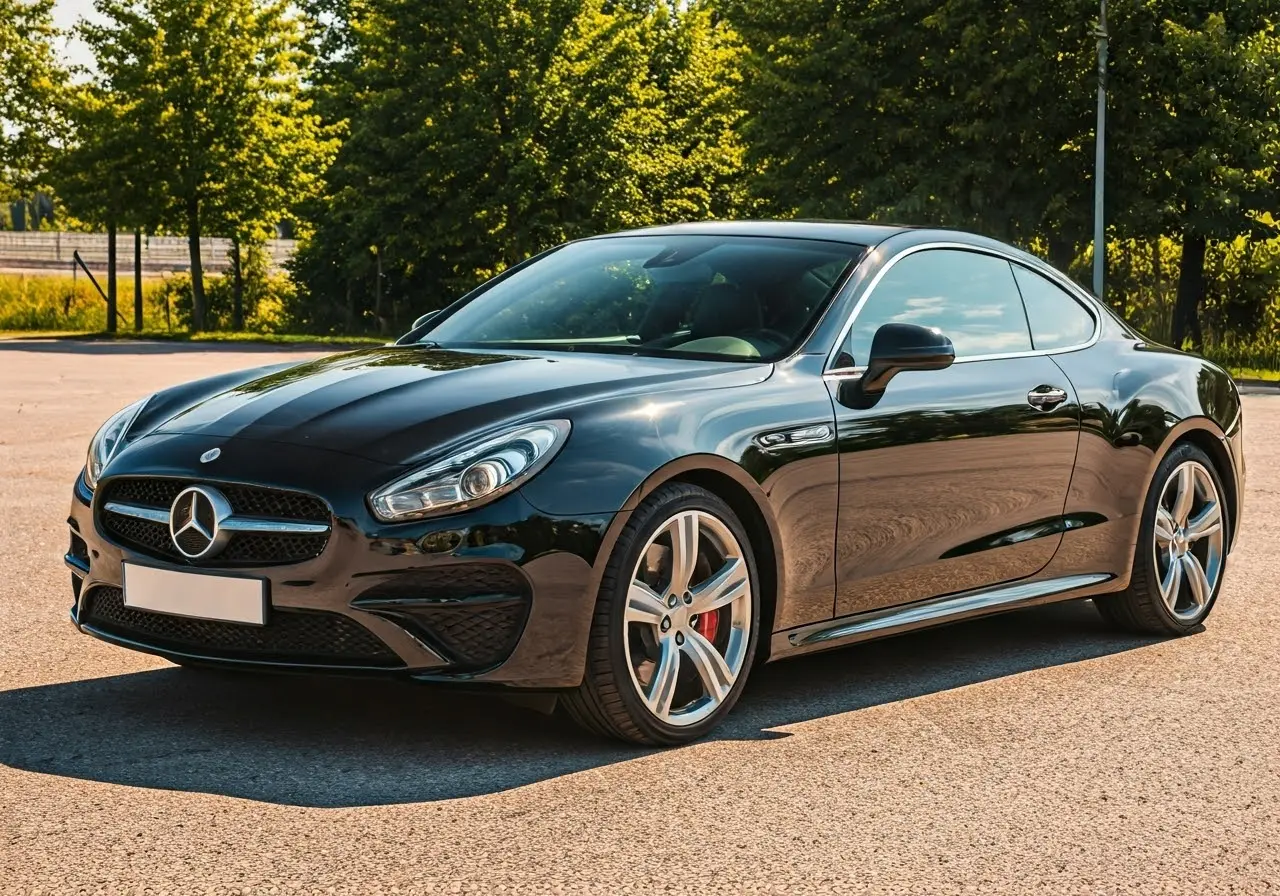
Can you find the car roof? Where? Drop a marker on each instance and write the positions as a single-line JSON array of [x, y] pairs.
[[856, 232]]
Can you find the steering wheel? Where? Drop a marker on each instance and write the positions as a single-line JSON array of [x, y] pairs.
[[775, 336]]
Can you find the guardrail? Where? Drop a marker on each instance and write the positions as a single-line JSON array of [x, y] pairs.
[[54, 250]]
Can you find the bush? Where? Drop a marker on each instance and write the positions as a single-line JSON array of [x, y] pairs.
[[267, 299], [56, 301], [1242, 301]]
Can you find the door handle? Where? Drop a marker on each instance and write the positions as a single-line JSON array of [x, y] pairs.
[[1046, 398]]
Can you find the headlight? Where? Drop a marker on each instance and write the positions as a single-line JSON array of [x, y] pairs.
[[474, 476], [107, 441]]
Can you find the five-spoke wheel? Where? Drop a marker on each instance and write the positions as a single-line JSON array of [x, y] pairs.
[[1189, 540], [675, 624], [688, 617], [1182, 549]]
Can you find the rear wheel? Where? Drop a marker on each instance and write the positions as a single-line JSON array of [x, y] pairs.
[[675, 625], [1181, 552]]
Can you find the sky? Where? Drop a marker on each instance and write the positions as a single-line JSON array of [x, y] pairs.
[[65, 15]]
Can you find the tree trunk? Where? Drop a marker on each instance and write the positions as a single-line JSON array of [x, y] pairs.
[[111, 277], [1186, 311], [377, 296], [237, 313], [197, 269], [137, 281]]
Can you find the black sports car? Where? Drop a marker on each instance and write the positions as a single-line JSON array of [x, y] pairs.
[[628, 469]]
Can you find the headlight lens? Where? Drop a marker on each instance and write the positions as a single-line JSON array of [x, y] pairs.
[[107, 441], [474, 476]]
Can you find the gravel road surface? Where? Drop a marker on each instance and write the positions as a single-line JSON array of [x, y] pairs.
[[1031, 753]]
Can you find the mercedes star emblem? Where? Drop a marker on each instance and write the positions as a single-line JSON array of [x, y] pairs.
[[195, 522]]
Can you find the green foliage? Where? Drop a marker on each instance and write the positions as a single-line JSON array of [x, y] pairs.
[[267, 300], [1195, 133], [421, 147], [964, 113], [503, 128], [1242, 304], [58, 302], [196, 120], [31, 80], [979, 114]]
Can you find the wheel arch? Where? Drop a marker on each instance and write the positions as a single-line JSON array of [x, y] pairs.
[[763, 545], [733, 485], [1211, 442], [1204, 433]]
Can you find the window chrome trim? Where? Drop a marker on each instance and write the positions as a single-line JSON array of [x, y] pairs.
[[1050, 274]]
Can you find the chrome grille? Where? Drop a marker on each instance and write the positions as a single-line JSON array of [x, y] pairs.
[[156, 494]]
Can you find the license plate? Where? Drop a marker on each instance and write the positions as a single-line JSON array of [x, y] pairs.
[[198, 595]]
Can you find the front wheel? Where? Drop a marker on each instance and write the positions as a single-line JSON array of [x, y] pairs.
[[1181, 553], [675, 624]]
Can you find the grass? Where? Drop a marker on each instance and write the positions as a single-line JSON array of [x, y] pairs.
[[182, 336], [70, 304], [1253, 373]]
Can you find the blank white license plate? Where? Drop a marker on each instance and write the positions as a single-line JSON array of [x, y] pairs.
[[199, 595]]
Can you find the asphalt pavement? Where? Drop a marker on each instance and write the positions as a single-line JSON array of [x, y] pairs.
[[1036, 752]]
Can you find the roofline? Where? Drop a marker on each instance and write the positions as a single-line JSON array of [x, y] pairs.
[[861, 233]]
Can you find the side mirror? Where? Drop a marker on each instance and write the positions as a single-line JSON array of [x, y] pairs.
[[895, 348], [422, 320]]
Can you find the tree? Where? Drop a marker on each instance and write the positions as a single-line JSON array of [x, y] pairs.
[[213, 89], [104, 176], [31, 80], [970, 113], [696, 63], [503, 128], [1196, 137]]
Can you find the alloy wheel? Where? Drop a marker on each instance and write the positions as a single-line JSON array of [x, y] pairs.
[[1189, 541], [687, 623]]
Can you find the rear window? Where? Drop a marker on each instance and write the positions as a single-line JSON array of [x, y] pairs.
[[1057, 319]]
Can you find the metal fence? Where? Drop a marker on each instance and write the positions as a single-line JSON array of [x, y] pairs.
[[160, 254]]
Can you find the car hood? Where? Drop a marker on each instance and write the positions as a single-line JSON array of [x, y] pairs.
[[397, 404]]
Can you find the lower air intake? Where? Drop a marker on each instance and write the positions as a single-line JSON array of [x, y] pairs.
[[304, 637]]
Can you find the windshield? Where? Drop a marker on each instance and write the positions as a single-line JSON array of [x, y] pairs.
[[725, 297]]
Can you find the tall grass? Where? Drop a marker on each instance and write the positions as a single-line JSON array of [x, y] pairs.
[[61, 302], [1246, 359]]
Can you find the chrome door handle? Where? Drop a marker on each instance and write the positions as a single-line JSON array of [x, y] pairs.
[[1046, 398]]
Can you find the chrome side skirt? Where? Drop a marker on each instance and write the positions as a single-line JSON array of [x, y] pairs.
[[893, 620]]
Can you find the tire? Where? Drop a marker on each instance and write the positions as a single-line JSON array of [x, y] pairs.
[[644, 619], [1199, 532]]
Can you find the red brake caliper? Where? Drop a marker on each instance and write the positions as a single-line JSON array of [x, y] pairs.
[[708, 625]]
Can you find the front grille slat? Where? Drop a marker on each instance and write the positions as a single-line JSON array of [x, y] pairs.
[[290, 636], [156, 491], [243, 548]]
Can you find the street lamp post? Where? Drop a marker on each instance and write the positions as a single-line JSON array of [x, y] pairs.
[[1099, 162]]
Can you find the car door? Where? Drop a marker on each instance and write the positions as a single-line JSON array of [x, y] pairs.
[[955, 479]]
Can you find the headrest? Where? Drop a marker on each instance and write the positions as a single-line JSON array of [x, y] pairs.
[[724, 309]]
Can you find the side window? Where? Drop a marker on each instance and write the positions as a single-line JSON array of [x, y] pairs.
[[972, 298], [1057, 319]]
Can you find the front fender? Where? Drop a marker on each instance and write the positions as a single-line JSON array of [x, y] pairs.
[[619, 452]]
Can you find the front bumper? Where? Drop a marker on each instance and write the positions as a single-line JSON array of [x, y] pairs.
[[499, 595]]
